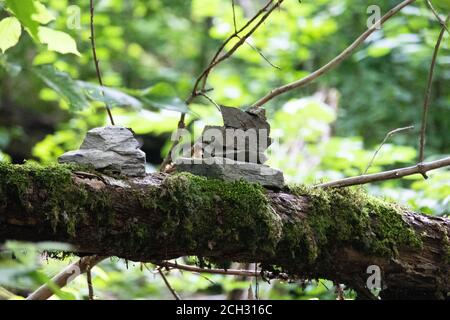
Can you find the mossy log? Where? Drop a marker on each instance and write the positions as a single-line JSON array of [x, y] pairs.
[[307, 233]]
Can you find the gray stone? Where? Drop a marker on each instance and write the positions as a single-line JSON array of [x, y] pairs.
[[241, 155], [111, 148], [228, 170], [236, 139], [238, 119]]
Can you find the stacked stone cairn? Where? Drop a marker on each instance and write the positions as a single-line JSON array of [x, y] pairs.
[[235, 150]]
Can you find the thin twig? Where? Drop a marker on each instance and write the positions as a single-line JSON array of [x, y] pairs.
[[65, 276], [436, 14], [172, 290], [168, 159], [335, 61], [268, 9], [234, 16], [89, 284], [206, 72], [210, 100], [420, 168], [262, 55], [96, 61], [388, 135], [426, 104], [248, 42]]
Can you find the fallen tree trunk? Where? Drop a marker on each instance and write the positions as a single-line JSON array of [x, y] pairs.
[[307, 233]]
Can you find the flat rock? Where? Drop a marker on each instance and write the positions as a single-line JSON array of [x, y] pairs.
[[238, 155], [229, 139], [238, 119], [229, 170], [111, 148]]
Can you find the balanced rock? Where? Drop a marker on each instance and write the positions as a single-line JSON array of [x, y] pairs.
[[112, 148], [229, 170], [236, 150]]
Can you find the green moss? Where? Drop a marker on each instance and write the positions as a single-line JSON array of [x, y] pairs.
[[445, 245], [207, 215], [52, 192], [348, 216], [212, 218]]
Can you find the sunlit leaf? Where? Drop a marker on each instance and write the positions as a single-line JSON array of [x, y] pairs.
[[58, 41], [10, 31], [43, 15]]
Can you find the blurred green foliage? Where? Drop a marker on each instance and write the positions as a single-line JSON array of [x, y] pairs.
[[150, 53]]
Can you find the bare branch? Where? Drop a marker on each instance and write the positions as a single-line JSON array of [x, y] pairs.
[[96, 61], [334, 62], [436, 14], [388, 135], [262, 55], [268, 9], [89, 283], [421, 168], [172, 290], [210, 100], [65, 276], [426, 104]]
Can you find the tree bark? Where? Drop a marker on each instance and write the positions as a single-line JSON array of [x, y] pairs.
[[307, 233]]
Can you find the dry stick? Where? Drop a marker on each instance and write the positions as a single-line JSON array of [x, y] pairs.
[[262, 55], [388, 135], [168, 159], [89, 283], [218, 59], [174, 293], [426, 104], [334, 62], [247, 42], [436, 14], [388, 175], [206, 72], [97, 66], [65, 276], [210, 100]]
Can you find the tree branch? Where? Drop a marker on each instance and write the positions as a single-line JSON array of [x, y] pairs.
[[426, 103], [335, 62], [96, 61], [66, 276], [217, 59], [306, 233], [421, 168]]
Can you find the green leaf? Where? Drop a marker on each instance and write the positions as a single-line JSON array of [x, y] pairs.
[[64, 85], [58, 41], [42, 15], [10, 31], [162, 96], [24, 10], [113, 97]]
